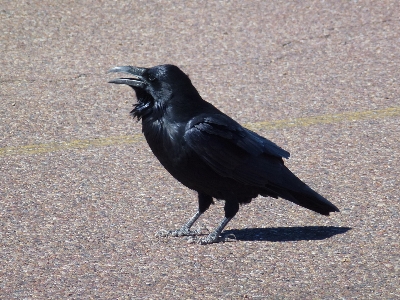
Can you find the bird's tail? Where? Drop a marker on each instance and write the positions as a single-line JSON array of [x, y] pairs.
[[296, 191]]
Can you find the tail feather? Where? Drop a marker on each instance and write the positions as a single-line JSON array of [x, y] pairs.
[[313, 201], [296, 191]]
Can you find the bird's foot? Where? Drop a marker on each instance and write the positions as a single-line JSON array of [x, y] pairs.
[[184, 231], [212, 238]]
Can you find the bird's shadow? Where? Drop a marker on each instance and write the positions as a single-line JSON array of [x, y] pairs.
[[286, 234]]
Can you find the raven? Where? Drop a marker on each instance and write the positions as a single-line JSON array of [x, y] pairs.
[[209, 152]]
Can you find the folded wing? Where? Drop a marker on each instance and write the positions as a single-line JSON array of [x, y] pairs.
[[233, 151]]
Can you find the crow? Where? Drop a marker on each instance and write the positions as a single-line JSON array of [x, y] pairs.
[[209, 152]]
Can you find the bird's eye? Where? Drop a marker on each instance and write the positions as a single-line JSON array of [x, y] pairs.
[[151, 78]]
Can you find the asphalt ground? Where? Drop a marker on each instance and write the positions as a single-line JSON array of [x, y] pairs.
[[82, 196]]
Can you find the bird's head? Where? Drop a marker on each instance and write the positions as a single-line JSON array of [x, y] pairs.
[[154, 86]]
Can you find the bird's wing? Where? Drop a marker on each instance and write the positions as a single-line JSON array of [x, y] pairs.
[[233, 151]]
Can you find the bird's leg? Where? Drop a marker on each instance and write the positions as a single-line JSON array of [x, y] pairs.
[[231, 208], [214, 237], [185, 229], [204, 203]]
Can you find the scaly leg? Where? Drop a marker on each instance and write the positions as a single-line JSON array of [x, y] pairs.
[[185, 229], [214, 237], [204, 203], [231, 208]]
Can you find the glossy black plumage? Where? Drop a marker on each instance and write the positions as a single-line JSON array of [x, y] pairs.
[[209, 152]]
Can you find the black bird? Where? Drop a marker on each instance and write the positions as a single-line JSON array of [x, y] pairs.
[[209, 152]]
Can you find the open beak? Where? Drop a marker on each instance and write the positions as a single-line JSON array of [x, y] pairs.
[[137, 81]]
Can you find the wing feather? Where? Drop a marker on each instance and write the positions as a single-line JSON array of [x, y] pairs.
[[233, 151]]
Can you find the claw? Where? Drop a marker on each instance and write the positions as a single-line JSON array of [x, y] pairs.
[[213, 238], [184, 231]]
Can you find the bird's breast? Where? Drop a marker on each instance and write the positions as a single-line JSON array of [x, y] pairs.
[[166, 142]]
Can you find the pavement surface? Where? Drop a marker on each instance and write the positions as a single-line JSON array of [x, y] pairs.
[[82, 196]]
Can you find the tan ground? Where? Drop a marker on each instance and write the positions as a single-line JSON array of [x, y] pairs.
[[82, 195]]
